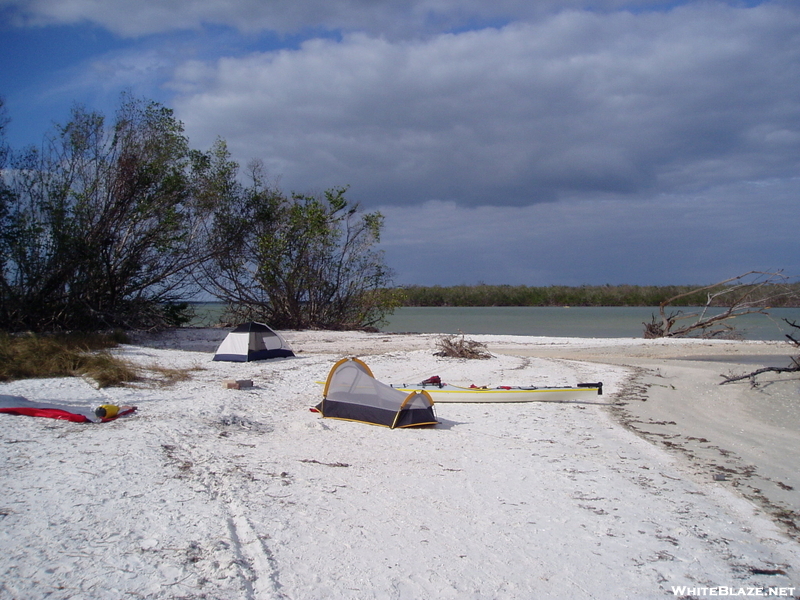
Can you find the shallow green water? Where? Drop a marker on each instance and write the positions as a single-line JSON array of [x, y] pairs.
[[586, 322]]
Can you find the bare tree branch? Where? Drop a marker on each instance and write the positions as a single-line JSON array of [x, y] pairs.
[[751, 292], [793, 368]]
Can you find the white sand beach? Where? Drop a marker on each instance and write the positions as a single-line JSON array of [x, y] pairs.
[[668, 485]]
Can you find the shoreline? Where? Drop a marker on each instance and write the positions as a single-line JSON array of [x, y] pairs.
[[735, 435], [247, 495], [722, 437]]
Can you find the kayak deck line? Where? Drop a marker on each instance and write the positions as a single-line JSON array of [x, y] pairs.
[[442, 392]]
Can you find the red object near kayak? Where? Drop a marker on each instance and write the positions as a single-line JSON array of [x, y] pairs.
[[17, 405]]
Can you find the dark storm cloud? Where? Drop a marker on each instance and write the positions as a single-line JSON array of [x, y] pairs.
[[697, 238]]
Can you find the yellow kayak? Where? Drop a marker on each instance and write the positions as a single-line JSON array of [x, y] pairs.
[[443, 392]]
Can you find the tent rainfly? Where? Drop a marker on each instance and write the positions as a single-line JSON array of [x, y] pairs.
[[353, 394], [252, 341]]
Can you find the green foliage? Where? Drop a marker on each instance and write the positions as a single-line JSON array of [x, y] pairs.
[[606, 295], [300, 261], [176, 314], [114, 224], [102, 225]]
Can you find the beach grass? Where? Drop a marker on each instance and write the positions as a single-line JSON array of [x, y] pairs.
[[65, 355], [166, 376]]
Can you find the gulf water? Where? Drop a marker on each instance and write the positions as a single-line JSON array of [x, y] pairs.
[[579, 321]]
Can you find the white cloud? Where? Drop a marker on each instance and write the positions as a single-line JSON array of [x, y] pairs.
[[387, 17], [578, 102]]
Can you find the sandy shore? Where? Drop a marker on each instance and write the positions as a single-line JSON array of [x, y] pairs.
[[750, 436], [668, 485]]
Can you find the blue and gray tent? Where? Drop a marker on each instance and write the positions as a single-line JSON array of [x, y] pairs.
[[252, 341]]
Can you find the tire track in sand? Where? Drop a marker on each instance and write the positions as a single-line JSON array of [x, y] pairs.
[[220, 477]]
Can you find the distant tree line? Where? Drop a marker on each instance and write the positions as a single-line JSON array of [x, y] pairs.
[[116, 223], [586, 295]]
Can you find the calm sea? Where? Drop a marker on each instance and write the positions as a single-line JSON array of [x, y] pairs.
[[586, 322]]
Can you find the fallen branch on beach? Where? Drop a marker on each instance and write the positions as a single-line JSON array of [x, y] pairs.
[[749, 293], [793, 368], [752, 376], [453, 346]]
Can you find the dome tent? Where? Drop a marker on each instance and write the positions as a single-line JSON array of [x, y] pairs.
[[252, 341], [353, 394]]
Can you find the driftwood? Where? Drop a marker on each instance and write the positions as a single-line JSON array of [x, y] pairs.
[[793, 368], [738, 296], [453, 346]]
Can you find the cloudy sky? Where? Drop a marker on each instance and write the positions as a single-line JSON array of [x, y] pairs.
[[540, 143]]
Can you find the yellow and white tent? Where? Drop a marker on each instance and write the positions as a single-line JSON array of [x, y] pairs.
[[353, 394]]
